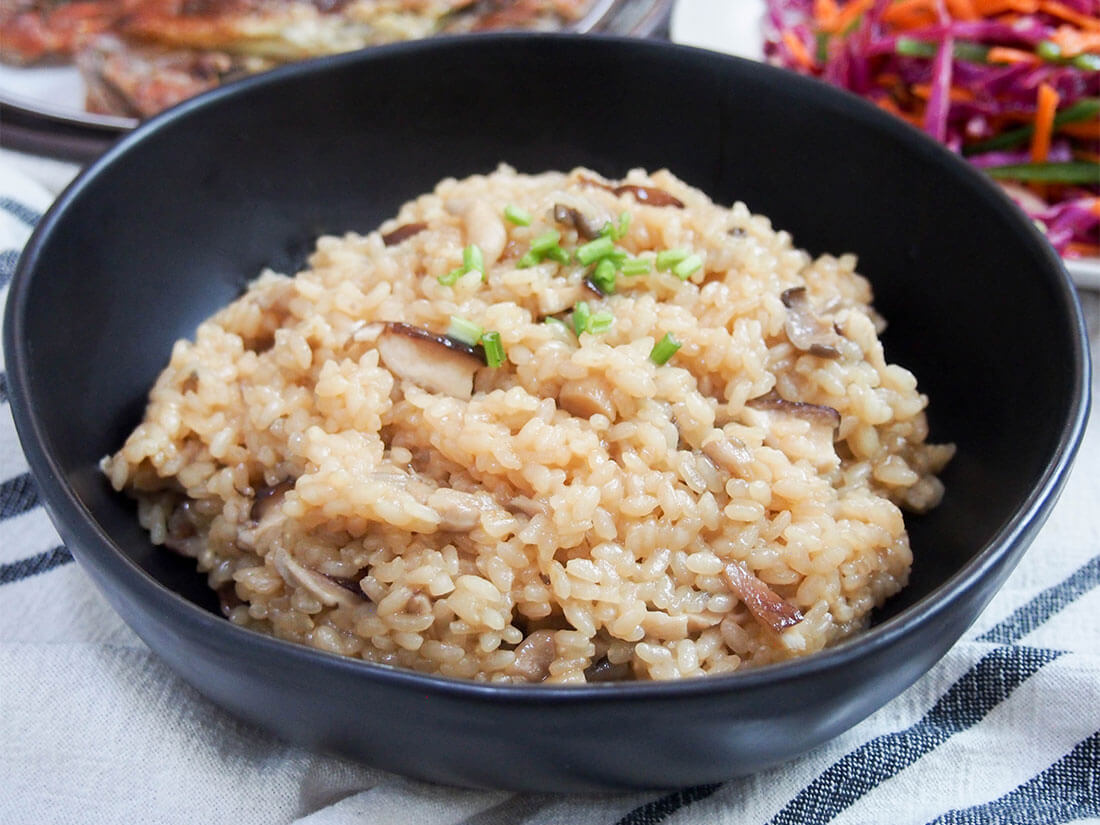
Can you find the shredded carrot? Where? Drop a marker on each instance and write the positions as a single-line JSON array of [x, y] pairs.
[[1083, 129], [890, 106], [955, 95], [1064, 12], [1083, 250], [798, 49], [1004, 54], [910, 14], [825, 13], [1073, 41], [988, 8], [847, 16], [962, 10], [1045, 107]]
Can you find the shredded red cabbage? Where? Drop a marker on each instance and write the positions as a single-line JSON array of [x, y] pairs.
[[930, 66]]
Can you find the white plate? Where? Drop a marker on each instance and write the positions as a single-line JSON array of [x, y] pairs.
[[735, 27]]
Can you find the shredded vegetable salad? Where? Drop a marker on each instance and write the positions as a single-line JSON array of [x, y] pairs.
[[1012, 85]]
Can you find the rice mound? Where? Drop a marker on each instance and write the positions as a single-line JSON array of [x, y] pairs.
[[585, 514]]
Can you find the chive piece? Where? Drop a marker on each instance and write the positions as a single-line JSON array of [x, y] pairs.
[[550, 319], [472, 259], [668, 258], [615, 231], [464, 330], [520, 217], [1049, 50], [636, 266], [963, 50], [494, 349], [600, 323], [1078, 172], [451, 277], [581, 316], [556, 253], [527, 261], [624, 225], [687, 266], [617, 256], [1086, 62], [910, 47], [664, 349], [546, 241], [594, 250], [1084, 109], [603, 277], [821, 53]]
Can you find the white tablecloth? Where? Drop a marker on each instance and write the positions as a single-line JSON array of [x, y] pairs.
[[94, 728]]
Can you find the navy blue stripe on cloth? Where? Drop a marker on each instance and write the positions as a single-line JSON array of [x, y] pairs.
[[661, 809], [17, 496], [25, 568], [1066, 791], [20, 210], [1021, 622], [1028, 617], [8, 259]]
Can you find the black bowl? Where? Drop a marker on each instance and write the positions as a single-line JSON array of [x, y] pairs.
[[172, 222]]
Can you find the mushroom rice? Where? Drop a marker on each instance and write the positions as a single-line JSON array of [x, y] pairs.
[[544, 428]]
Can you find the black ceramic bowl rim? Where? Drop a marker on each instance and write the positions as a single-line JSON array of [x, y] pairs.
[[102, 552]]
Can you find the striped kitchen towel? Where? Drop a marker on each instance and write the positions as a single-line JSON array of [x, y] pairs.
[[93, 728]]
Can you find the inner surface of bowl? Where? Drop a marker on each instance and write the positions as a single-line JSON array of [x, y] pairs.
[[174, 221]]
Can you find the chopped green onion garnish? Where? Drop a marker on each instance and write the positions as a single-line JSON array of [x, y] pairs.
[[1084, 109], [687, 266], [668, 258], [494, 349], [472, 259], [600, 323], [594, 250], [1049, 50], [1079, 172], [603, 277], [615, 231], [463, 330], [550, 319], [451, 277], [821, 53], [636, 266], [664, 349], [556, 253], [963, 50], [546, 241], [517, 216], [1086, 62], [581, 316], [528, 260]]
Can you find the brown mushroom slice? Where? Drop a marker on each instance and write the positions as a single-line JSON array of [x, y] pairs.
[[458, 511], [317, 584], [585, 398], [649, 195], [767, 606], [814, 413], [435, 362], [267, 498], [534, 656], [605, 671], [805, 330], [729, 454], [571, 216], [403, 233]]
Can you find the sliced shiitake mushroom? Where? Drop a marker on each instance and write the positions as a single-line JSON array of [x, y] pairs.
[[814, 413], [805, 330], [403, 232], [766, 606], [570, 216], [435, 362]]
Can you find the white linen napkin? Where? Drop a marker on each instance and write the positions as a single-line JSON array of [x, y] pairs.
[[94, 728]]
